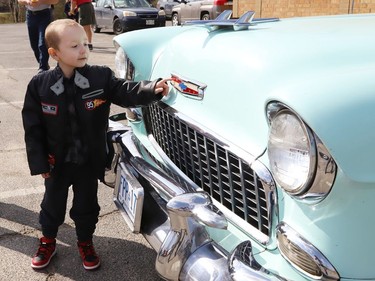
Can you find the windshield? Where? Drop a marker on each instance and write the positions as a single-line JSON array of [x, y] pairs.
[[131, 3]]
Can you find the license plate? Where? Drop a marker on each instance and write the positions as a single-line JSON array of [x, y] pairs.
[[150, 22], [129, 198]]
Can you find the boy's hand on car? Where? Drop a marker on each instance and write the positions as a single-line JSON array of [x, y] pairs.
[[162, 87]]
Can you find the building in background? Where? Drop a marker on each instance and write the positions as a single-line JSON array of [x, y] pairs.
[[300, 8]]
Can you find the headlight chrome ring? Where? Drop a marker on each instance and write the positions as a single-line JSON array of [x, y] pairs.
[[299, 161]]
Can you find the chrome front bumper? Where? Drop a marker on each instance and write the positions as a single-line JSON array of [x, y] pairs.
[[185, 250]]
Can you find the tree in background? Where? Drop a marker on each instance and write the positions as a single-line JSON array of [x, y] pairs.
[[17, 13]]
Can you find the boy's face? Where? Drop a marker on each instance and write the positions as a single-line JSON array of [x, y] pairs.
[[73, 49]]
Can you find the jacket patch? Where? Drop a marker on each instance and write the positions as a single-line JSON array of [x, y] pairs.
[[58, 87], [92, 104], [49, 109], [81, 81]]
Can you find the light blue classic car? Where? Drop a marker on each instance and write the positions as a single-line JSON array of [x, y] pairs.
[[259, 164]]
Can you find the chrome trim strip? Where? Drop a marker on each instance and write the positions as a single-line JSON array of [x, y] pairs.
[[243, 266]]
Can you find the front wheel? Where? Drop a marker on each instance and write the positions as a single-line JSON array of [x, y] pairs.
[[205, 17], [174, 19], [117, 27]]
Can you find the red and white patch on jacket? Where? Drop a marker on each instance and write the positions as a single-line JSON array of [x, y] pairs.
[[50, 109]]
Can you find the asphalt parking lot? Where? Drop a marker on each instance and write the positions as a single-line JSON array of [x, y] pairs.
[[125, 256]]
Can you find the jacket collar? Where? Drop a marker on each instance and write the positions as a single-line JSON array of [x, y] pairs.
[[80, 80]]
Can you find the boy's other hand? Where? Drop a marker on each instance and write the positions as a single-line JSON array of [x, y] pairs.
[[46, 175]]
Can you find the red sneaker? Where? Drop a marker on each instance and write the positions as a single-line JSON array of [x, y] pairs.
[[89, 258], [46, 250]]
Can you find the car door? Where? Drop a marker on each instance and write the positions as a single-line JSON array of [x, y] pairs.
[[186, 10], [195, 10], [98, 12], [107, 13]]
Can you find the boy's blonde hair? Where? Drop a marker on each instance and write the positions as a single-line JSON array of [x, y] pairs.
[[53, 30]]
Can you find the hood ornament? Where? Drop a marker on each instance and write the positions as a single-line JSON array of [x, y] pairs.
[[188, 87]]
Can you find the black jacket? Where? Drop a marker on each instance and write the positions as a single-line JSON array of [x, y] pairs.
[[44, 113]]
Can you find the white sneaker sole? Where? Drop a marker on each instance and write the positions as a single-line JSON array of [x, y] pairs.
[[91, 267]]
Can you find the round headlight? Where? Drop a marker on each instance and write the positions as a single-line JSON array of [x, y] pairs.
[[291, 152], [120, 63], [124, 68]]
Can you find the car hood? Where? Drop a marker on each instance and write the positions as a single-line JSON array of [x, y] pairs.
[[322, 69]]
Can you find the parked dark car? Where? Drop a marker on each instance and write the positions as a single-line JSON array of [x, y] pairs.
[[126, 15], [167, 6], [199, 10]]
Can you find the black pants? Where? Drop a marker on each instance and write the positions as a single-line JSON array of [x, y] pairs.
[[85, 209]]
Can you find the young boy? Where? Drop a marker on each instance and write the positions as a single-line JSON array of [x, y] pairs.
[[65, 118]]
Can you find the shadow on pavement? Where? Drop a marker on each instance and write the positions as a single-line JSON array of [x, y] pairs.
[[116, 254]]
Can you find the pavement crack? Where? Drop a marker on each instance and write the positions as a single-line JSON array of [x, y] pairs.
[[20, 149], [50, 276], [16, 105]]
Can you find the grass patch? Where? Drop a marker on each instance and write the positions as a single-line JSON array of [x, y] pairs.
[[6, 18]]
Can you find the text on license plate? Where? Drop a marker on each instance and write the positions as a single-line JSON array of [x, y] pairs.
[[150, 22], [127, 196]]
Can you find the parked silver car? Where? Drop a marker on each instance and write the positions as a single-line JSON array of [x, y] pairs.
[[199, 10]]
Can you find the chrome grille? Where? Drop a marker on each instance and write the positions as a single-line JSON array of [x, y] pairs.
[[226, 177]]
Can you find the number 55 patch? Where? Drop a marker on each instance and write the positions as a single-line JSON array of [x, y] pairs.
[[92, 104]]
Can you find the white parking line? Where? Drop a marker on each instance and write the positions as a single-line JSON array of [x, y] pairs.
[[21, 192]]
